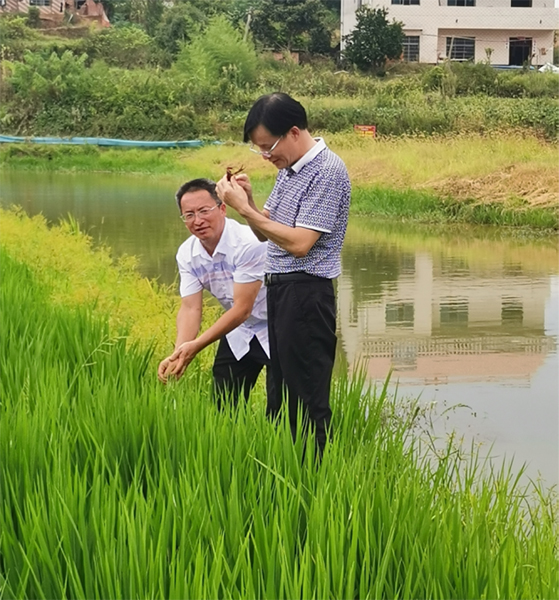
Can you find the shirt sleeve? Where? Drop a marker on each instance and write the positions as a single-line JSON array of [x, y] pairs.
[[320, 206], [189, 282], [272, 198], [250, 263]]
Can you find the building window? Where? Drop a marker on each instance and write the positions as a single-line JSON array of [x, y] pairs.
[[462, 2], [410, 48], [521, 3], [458, 48], [39, 2], [399, 314], [405, 1], [512, 311], [453, 312]]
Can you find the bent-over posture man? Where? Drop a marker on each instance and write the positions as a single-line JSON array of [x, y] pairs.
[[304, 221], [225, 258]]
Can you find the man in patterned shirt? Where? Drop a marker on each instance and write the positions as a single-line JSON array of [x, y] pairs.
[[226, 259], [304, 221]]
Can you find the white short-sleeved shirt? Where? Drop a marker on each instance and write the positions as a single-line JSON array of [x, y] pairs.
[[238, 258]]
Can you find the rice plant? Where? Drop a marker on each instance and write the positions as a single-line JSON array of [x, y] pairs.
[[114, 486]]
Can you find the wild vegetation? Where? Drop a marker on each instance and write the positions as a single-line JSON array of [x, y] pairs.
[[116, 486], [123, 82]]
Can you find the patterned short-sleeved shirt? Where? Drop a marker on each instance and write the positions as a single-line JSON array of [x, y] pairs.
[[238, 258], [314, 193]]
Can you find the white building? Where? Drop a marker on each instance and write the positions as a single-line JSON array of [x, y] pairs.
[[508, 32]]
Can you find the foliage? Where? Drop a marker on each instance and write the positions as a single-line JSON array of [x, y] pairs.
[[431, 114], [374, 40], [426, 207], [217, 77], [16, 37], [219, 53], [292, 25]]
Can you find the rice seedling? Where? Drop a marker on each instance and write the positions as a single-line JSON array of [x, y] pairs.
[[114, 486]]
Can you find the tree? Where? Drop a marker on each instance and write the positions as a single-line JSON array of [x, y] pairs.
[[374, 40], [292, 25], [180, 23], [145, 13]]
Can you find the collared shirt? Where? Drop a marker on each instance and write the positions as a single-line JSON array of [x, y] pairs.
[[238, 258], [313, 193]]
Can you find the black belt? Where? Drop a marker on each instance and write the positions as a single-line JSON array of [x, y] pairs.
[[275, 278]]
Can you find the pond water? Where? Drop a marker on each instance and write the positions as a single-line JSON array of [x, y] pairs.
[[464, 317]]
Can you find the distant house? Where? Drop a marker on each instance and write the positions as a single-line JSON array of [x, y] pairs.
[[504, 32], [52, 11]]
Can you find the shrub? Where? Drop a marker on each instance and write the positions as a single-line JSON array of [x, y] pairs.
[[34, 17], [14, 27], [38, 79], [472, 78], [126, 47], [531, 85]]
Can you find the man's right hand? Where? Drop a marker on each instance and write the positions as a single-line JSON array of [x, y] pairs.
[[176, 364], [166, 366]]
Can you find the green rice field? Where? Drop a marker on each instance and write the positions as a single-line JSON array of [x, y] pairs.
[[115, 486]]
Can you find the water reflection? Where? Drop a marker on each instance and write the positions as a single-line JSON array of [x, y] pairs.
[[455, 305]]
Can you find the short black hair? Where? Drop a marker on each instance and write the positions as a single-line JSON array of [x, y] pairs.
[[277, 112], [195, 185]]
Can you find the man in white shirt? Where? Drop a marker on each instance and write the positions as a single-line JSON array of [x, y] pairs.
[[226, 259]]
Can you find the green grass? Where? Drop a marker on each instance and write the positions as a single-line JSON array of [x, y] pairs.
[[424, 206], [114, 486]]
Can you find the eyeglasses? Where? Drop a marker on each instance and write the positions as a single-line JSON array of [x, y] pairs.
[[203, 213], [265, 153]]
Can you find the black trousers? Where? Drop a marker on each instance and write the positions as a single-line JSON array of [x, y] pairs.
[[302, 329], [232, 376]]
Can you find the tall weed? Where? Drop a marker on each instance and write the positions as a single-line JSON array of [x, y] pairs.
[[219, 52]]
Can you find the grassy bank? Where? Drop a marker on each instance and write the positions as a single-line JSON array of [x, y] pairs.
[[508, 179], [116, 486], [74, 275]]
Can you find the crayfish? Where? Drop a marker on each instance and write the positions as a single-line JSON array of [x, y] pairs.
[[232, 173]]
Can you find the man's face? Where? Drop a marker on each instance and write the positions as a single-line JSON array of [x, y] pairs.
[[204, 218], [284, 153]]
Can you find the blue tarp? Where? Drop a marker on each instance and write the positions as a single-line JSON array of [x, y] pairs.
[[11, 139]]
